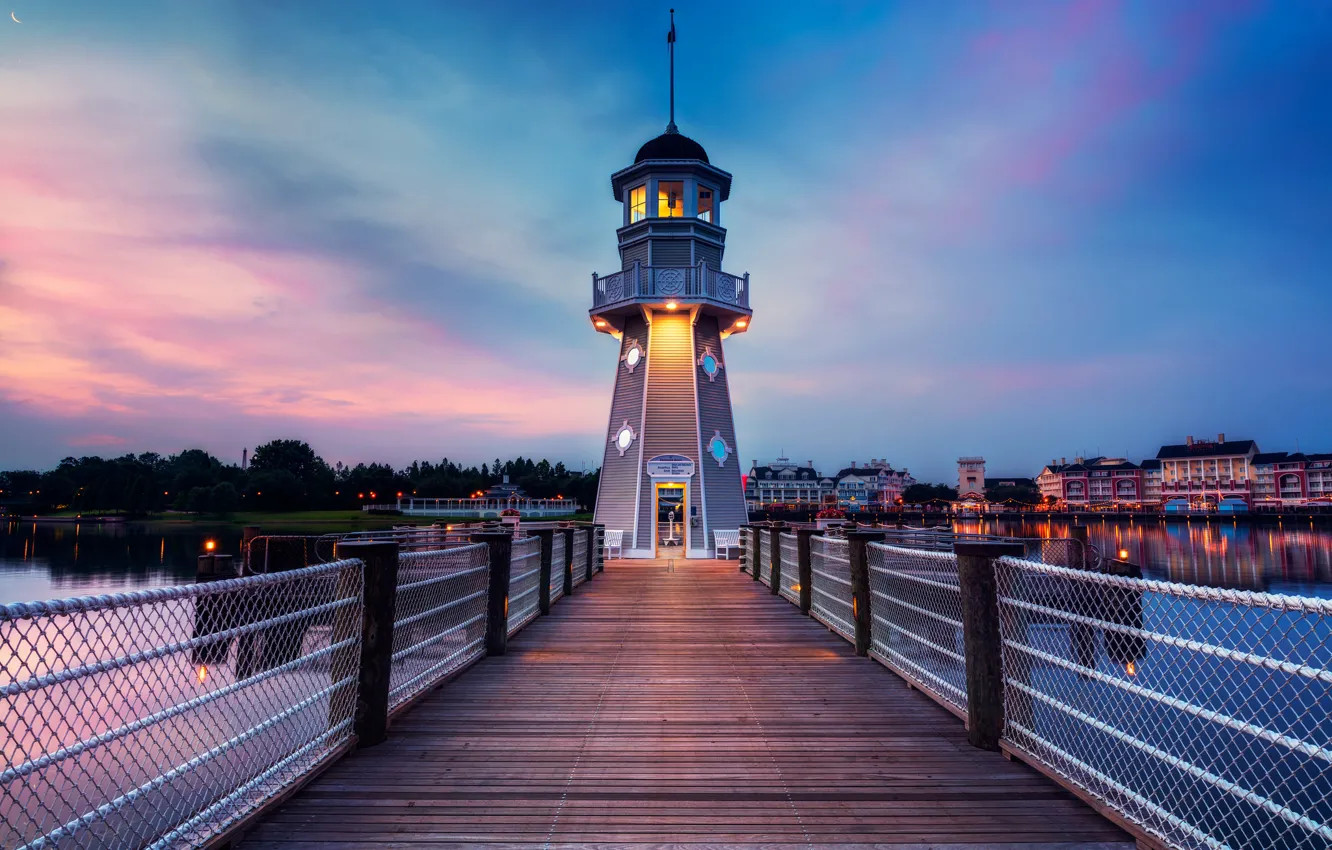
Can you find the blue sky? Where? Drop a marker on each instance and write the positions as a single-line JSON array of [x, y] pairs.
[[1022, 230]]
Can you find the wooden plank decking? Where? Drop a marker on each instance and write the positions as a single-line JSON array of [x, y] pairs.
[[679, 704]]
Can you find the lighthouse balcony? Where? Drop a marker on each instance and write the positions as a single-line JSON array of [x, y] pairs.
[[670, 287]]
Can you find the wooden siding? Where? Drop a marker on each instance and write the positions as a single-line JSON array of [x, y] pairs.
[[637, 251], [619, 479], [670, 425], [679, 705], [710, 254], [725, 494], [671, 252]]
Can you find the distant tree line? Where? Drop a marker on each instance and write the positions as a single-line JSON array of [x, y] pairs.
[[283, 475]]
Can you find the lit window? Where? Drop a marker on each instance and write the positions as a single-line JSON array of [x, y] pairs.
[[637, 204], [670, 199], [705, 203]]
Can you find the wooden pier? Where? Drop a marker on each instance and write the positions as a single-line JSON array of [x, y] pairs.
[[678, 704]]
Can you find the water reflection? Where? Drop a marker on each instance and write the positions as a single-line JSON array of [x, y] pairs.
[[1279, 559], [47, 560]]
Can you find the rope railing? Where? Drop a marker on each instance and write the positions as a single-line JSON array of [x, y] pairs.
[[580, 543], [916, 619], [557, 563], [1199, 713], [765, 557], [1198, 716], [162, 717], [789, 584], [439, 622], [524, 583], [172, 717], [830, 585]]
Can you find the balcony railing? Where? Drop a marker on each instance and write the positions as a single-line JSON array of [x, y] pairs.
[[683, 282]]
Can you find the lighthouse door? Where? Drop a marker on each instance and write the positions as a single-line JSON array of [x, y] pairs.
[[670, 525]]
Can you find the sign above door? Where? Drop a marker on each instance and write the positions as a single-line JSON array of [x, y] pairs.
[[670, 466]]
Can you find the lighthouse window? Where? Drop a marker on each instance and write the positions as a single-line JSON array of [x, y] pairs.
[[670, 199], [637, 204], [705, 203]]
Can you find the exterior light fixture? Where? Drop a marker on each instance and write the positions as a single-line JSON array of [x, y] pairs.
[[210, 545], [1123, 554], [601, 323], [671, 305], [741, 323]]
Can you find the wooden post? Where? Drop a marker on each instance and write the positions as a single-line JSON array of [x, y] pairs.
[[500, 547], [981, 639], [775, 548], [858, 546], [380, 589], [806, 567], [567, 566]]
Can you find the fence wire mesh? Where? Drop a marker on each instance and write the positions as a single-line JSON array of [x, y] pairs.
[[524, 582], [830, 584], [790, 571], [439, 620], [557, 561], [916, 619], [580, 555], [747, 543], [1200, 714], [765, 556], [160, 717]]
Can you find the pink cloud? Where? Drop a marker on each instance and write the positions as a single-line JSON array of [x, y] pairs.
[[124, 294]]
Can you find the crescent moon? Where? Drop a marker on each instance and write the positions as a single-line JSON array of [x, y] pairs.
[[15, 17]]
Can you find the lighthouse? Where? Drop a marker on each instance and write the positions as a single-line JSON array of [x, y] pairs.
[[670, 476]]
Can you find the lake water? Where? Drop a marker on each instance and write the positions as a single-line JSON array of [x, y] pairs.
[[47, 561], [1289, 558]]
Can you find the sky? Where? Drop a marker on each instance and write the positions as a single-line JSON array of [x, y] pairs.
[[1021, 230]]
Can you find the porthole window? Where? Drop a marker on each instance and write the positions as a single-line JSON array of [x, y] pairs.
[[623, 437], [633, 355], [718, 449], [709, 363]]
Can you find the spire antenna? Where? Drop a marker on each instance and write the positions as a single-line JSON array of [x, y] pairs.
[[670, 47]]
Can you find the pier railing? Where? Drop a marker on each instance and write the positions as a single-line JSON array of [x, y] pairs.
[[682, 282], [172, 717], [1195, 717], [158, 718]]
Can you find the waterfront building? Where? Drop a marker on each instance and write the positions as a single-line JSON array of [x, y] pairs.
[[1207, 471], [1092, 482], [1283, 479], [671, 435], [1151, 482], [785, 483], [872, 486], [1227, 475], [970, 478]]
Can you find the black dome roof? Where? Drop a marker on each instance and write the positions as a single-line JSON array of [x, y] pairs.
[[671, 146]]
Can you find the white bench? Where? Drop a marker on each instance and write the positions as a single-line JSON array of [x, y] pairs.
[[614, 538], [726, 540]]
